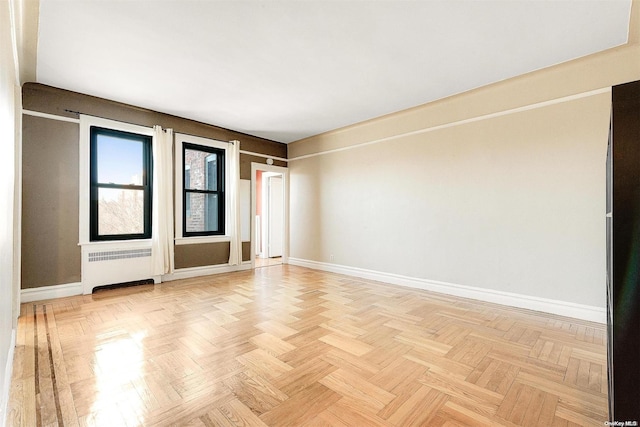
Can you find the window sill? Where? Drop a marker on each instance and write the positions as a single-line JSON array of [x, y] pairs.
[[141, 242], [201, 239]]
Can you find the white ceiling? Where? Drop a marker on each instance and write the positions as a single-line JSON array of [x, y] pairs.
[[285, 70]]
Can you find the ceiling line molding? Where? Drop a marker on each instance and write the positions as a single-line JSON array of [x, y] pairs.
[[50, 116], [72, 120], [460, 122]]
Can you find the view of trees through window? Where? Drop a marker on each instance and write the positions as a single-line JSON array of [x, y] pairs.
[[120, 196], [120, 211]]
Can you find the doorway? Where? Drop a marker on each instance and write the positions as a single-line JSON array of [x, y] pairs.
[[269, 207]]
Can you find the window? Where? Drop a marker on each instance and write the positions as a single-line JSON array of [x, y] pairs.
[[120, 185], [203, 192], [202, 195]]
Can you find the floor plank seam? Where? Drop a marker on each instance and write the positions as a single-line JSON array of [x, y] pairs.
[[37, 365], [52, 369]]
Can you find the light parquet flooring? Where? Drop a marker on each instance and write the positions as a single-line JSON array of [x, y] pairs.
[[289, 346]]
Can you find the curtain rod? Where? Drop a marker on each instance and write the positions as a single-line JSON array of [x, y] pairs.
[[138, 124]]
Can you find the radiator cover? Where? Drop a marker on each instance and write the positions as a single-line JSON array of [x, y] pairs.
[[115, 262]]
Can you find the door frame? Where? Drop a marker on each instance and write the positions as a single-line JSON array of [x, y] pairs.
[[268, 206], [285, 199]]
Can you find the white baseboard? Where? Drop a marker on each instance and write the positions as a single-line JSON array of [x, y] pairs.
[[562, 308], [73, 289], [50, 292], [6, 387], [187, 273]]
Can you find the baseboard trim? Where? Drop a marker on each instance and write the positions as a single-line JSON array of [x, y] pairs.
[[73, 289], [50, 292], [187, 273], [562, 308], [6, 387]]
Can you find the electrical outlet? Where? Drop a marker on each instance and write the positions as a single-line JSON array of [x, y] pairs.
[[331, 257]]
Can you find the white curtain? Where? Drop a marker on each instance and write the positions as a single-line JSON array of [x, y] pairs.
[[235, 255], [162, 211]]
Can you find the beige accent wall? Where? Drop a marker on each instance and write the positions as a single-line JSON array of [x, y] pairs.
[[514, 203], [50, 251], [499, 188], [205, 254]]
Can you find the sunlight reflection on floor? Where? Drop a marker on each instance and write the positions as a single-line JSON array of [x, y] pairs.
[[118, 363]]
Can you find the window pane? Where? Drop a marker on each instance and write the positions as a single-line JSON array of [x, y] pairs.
[[120, 211], [194, 160], [187, 184], [120, 160], [203, 170], [203, 210], [212, 172]]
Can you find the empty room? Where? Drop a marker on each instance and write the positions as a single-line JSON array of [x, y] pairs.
[[319, 213]]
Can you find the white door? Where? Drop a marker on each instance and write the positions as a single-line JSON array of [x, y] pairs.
[[276, 216]]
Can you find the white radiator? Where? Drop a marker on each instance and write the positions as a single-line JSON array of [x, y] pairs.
[[114, 262]]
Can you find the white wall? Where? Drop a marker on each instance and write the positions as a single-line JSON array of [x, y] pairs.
[[512, 203], [496, 193], [9, 103]]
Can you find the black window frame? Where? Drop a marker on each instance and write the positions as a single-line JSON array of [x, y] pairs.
[[220, 191], [147, 173]]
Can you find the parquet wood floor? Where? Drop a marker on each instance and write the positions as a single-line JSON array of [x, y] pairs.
[[289, 346]]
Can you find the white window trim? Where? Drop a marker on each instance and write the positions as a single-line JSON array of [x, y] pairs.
[[85, 158], [180, 138]]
